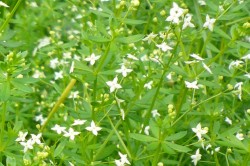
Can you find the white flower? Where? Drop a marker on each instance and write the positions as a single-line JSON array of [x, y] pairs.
[[217, 149], [124, 70], [155, 113], [150, 37], [113, 85], [192, 85], [21, 136], [175, 13], [72, 67], [124, 158], [196, 157], [202, 2], [38, 74], [240, 136], [148, 85], [146, 130], [130, 56], [229, 121], [209, 23], [58, 75], [67, 55], [119, 163], [58, 129], [238, 86], [92, 58], [246, 57], [71, 133], [36, 138], [122, 114], [53, 63], [3, 4], [93, 128], [235, 63], [164, 47], [197, 57], [187, 22], [169, 76], [199, 131], [247, 75], [27, 145], [206, 68], [74, 94], [78, 122]]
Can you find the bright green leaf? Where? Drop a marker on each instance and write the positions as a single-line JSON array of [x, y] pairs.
[[176, 136], [142, 138], [130, 39], [178, 148]]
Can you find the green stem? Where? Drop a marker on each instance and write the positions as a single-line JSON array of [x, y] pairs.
[[10, 16], [59, 102], [102, 60]]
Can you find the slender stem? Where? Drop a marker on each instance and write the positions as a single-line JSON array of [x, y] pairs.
[[59, 102], [10, 16]]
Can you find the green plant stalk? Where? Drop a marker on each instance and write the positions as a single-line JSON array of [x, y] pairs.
[[6, 22], [119, 137], [59, 102], [106, 140], [102, 60], [3, 114]]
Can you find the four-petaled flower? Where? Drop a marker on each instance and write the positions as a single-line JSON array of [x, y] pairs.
[[200, 131], [71, 133], [124, 70], [187, 22], [92, 58], [164, 47], [175, 13], [149, 37], [191, 85], [209, 23], [113, 85], [21, 136], [93, 128], [196, 157], [59, 129]]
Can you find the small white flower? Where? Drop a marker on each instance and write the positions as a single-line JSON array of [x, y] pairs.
[[197, 57], [124, 70], [196, 157], [209, 23], [36, 138], [206, 68], [78, 122], [93, 128], [72, 67], [149, 37], [58, 129], [155, 113], [27, 145], [21, 136], [191, 85], [73, 94], [202, 2], [229, 121], [246, 57], [247, 75], [113, 85], [67, 55], [146, 130], [92, 58], [240, 136], [54, 63], [122, 114], [119, 163], [235, 63], [3, 4], [187, 22], [169, 76], [148, 85], [58, 75], [164, 47], [130, 56], [175, 13], [199, 131], [124, 158], [217, 149], [71, 133], [238, 86]]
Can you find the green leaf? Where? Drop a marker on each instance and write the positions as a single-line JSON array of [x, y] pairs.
[[134, 22], [221, 33], [211, 47], [176, 136], [130, 39], [100, 39], [107, 151], [243, 44], [5, 91], [178, 148], [26, 80], [167, 149], [142, 138], [10, 161], [60, 148], [22, 87]]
